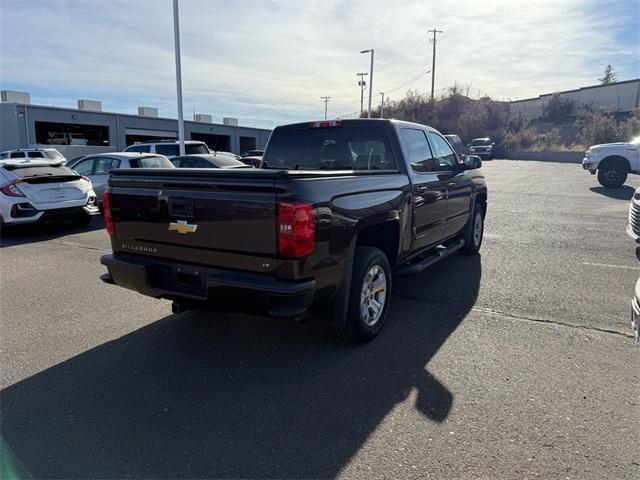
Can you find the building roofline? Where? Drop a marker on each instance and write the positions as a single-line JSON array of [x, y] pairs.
[[575, 90], [133, 115]]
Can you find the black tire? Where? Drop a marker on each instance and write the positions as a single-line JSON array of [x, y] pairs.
[[612, 174], [81, 220], [473, 238], [357, 328]]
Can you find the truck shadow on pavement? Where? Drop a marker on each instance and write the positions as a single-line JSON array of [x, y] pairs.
[[625, 192], [227, 396]]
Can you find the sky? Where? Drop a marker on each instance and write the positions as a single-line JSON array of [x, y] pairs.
[[269, 62]]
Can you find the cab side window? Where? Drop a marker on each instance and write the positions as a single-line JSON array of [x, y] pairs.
[[446, 159], [418, 150]]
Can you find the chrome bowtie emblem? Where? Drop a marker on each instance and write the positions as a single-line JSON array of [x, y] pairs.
[[181, 226]]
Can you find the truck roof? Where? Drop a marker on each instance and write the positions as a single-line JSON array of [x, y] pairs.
[[346, 122]]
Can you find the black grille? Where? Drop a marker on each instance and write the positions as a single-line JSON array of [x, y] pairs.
[[634, 218]]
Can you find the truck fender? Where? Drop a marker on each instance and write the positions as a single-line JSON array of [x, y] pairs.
[[337, 311]]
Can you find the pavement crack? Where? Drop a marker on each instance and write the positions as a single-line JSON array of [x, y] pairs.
[[492, 311]]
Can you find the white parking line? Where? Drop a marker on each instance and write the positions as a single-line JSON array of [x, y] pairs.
[[608, 265]]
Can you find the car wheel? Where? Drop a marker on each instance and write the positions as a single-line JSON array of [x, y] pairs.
[[369, 296], [474, 232], [612, 174]]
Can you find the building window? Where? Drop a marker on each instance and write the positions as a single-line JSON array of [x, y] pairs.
[[54, 133]]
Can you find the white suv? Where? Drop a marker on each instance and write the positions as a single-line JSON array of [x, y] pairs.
[[50, 153], [613, 161], [41, 190], [169, 148]]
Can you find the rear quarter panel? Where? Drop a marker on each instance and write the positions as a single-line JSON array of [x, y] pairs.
[[345, 206]]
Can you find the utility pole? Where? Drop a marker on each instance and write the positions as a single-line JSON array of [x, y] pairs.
[[326, 100], [362, 84], [176, 37], [371, 51], [382, 106], [433, 65]]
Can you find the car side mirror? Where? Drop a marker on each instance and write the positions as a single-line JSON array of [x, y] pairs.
[[493, 144], [472, 162]]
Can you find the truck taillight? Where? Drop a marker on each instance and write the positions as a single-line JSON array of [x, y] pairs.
[[296, 229], [106, 212], [326, 124]]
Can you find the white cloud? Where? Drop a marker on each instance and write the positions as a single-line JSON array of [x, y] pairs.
[[269, 62]]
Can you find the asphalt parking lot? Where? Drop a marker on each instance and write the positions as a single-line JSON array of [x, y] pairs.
[[517, 363]]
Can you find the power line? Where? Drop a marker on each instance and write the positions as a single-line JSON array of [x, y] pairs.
[[433, 65], [326, 101], [420, 75]]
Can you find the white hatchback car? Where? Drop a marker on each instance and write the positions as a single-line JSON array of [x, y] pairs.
[[41, 190]]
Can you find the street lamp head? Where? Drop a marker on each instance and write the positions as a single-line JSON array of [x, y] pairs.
[[366, 51]]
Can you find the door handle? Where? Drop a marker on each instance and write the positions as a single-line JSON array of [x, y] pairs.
[[421, 188], [451, 184]]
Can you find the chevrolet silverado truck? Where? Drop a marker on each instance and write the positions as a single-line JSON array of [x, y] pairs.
[[337, 208], [613, 162]]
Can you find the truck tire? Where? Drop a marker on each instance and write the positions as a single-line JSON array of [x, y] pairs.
[[369, 296], [612, 173], [474, 231]]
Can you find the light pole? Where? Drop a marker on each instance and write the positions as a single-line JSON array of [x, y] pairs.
[[176, 36], [382, 106], [370, 79]]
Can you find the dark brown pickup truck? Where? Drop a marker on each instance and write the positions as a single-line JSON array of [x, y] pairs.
[[337, 208]]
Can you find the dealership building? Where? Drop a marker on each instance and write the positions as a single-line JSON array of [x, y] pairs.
[[87, 129]]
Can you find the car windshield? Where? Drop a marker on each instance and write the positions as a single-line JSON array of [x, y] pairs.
[[339, 148], [151, 162], [480, 142]]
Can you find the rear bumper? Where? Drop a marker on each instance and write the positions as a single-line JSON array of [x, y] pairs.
[[218, 289]]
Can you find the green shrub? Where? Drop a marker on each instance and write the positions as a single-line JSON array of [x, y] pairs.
[[597, 125]]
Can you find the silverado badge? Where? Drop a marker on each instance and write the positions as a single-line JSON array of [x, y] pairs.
[[181, 226]]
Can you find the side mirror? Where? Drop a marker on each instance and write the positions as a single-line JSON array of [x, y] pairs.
[[493, 144], [472, 162]]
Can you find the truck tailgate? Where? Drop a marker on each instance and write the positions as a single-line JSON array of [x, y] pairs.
[[220, 219]]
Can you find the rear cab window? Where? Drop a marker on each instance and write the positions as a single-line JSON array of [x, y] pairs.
[[345, 147]]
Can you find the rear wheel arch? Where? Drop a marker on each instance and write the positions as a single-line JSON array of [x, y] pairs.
[[384, 236]]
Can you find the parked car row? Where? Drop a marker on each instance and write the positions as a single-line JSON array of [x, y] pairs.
[[40, 185]]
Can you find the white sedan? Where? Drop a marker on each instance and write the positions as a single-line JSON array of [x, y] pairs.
[[41, 190]]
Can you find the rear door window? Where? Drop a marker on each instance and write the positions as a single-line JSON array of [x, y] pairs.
[[170, 150], [339, 148], [419, 153], [194, 149], [35, 155], [105, 164], [84, 167]]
